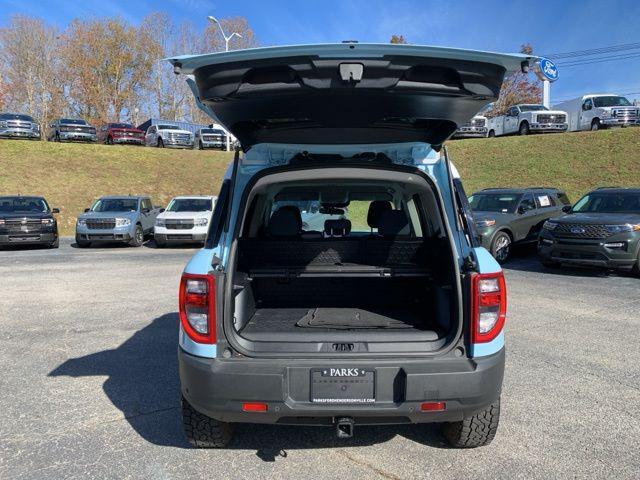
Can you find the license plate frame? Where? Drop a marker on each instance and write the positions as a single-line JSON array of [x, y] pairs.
[[342, 386]]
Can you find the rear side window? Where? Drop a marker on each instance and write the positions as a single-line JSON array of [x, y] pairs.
[[146, 203], [527, 203], [564, 199]]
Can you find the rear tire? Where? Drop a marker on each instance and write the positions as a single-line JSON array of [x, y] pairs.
[[524, 129], [476, 431], [138, 237], [595, 125], [202, 431], [501, 247]]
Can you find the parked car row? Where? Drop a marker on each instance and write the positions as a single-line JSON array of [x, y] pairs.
[[28, 220], [15, 125], [601, 230], [588, 112]]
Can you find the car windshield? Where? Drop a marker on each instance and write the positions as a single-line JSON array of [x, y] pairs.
[[611, 101], [15, 116], [190, 205], [23, 205], [494, 202], [121, 125], [609, 202], [115, 205], [167, 127], [532, 108], [73, 121], [212, 130]]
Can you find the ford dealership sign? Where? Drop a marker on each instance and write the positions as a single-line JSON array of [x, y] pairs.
[[546, 70]]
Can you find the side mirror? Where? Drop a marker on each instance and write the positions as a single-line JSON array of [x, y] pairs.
[[87, 210], [55, 210], [145, 210], [566, 209], [522, 210], [161, 210]]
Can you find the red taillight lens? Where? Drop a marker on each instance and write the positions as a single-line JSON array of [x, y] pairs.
[[433, 406], [489, 306], [198, 307], [254, 407]]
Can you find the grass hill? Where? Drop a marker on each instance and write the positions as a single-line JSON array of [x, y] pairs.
[[71, 176]]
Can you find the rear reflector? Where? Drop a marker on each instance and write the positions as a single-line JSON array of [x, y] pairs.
[[254, 407], [488, 306], [197, 306], [432, 406]]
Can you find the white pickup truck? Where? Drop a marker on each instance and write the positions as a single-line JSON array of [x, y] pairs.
[[527, 118], [594, 112], [474, 128]]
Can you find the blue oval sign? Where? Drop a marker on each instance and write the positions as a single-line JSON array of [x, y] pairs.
[[547, 70]]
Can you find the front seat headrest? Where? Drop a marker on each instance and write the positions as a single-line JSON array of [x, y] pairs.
[[376, 209], [285, 222], [394, 222], [337, 228]]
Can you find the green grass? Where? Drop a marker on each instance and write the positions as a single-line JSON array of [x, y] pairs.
[[71, 176]]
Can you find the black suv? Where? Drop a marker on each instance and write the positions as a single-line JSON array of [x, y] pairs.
[[27, 221], [601, 230], [504, 216]]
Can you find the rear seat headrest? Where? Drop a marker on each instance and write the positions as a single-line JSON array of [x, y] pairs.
[[376, 209], [394, 222], [285, 222], [337, 228]]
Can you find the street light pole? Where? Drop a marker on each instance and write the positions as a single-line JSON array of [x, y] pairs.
[[213, 19]]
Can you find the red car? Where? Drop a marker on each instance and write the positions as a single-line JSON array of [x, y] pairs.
[[111, 133]]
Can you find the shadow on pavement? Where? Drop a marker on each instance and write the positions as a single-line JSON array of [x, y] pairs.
[[143, 384]]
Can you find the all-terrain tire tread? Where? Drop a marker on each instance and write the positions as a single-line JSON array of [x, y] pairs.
[[202, 431], [475, 431]]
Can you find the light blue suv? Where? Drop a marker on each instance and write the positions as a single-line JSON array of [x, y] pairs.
[[341, 283], [124, 219]]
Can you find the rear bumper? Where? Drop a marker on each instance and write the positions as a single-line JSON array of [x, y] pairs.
[[548, 127], [28, 238], [592, 253], [218, 387]]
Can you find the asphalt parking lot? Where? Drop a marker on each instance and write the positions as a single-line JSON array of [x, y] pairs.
[[89, 383]]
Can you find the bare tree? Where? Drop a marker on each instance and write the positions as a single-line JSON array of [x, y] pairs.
[[31, 67], [398, 39]]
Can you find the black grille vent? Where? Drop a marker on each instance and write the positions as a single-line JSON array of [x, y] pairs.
[[576, 230]]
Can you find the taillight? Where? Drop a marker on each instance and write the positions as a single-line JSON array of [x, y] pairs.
[[198, 307], [489, 306]]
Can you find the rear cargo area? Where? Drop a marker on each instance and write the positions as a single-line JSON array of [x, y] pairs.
[[357, 263]]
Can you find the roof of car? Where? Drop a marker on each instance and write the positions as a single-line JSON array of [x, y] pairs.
[[189, 197], [22, 196], [519, 190], [123, 197], [618, 189]]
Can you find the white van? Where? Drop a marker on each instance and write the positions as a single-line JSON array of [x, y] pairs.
[[596, 111]]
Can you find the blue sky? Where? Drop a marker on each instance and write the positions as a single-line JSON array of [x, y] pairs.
[[551, 26]]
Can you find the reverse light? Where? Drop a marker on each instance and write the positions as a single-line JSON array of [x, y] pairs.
[[123, 222], [197, 307], [489, 306], [548, 225], [485, 223]]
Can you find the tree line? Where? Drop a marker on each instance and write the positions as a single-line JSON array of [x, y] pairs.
[[105, 69]]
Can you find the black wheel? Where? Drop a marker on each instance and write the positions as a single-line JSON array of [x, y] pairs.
[[636, 268], [501, 247], [160, 143], [109, 140], [202, 431], [200, 146], [138, 237], [82, 243], [491, 134], [524, 129], [55, 244], [476, 431], [159, 243], [57, 139], [595, 125]]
